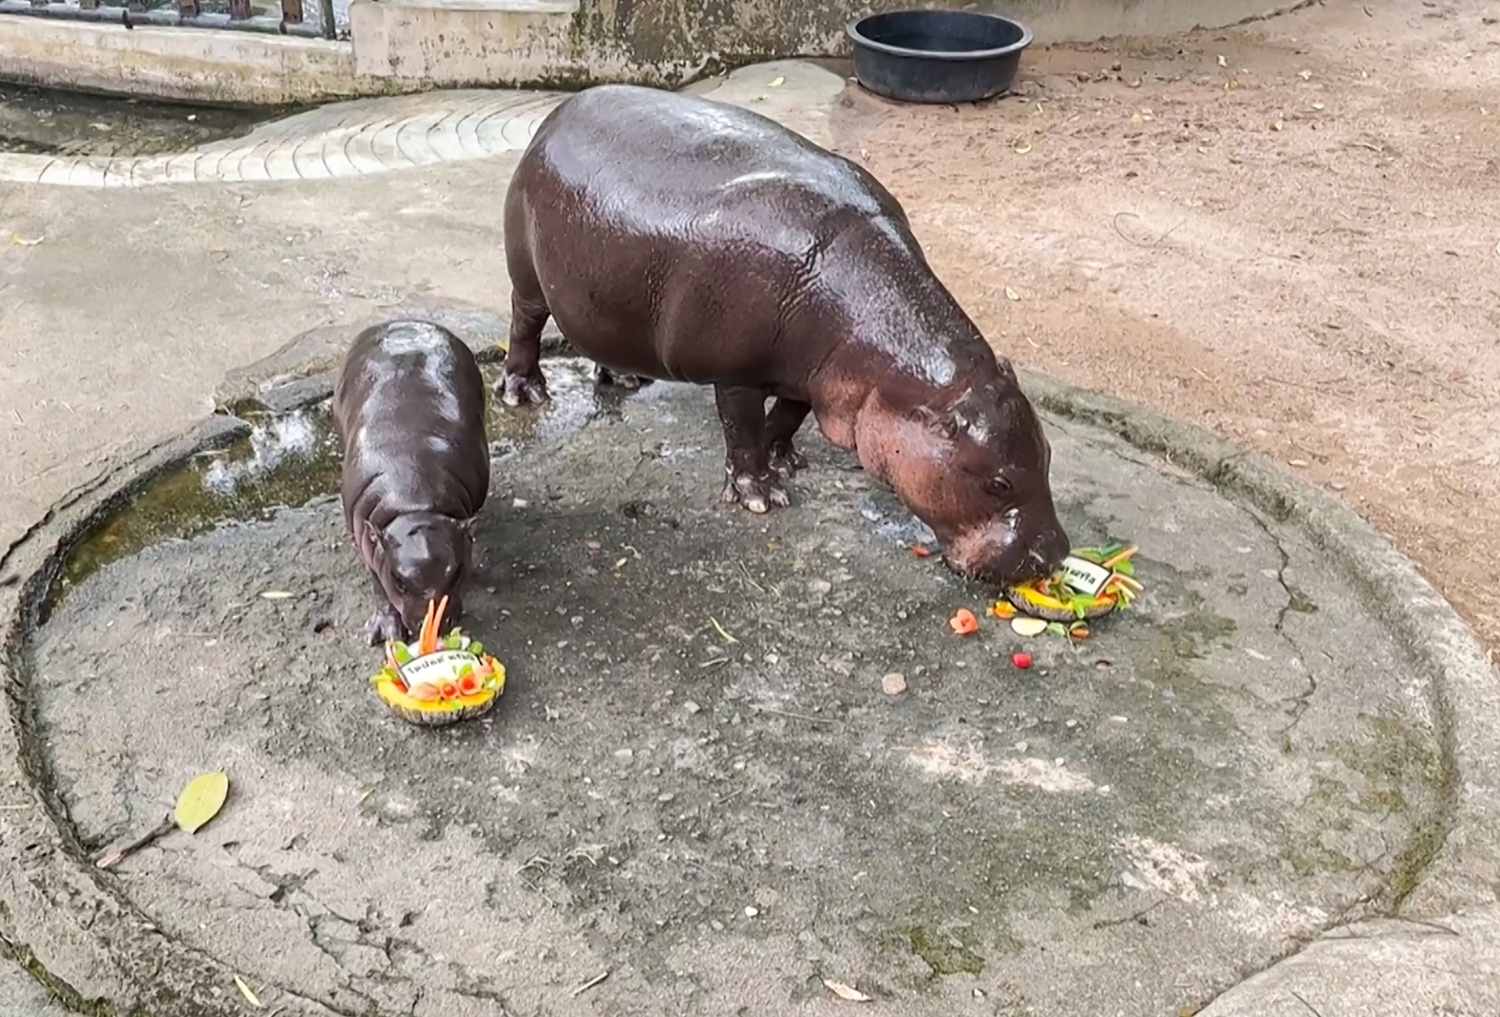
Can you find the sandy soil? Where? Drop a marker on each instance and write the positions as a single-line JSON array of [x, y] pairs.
[[1288, 232]]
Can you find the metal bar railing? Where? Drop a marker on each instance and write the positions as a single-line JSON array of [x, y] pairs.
[[188, 14]]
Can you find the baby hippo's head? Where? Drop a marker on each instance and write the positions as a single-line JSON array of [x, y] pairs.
[[422, 557], [977, 472]]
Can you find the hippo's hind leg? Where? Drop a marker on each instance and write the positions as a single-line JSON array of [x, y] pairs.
[[521, 381], [782, 422], [749, 479], [614, 379]]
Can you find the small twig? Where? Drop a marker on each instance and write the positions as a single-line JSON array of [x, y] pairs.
[[115, 855], [793, 716], [586, 986], [1298, 996], [1129, 239]]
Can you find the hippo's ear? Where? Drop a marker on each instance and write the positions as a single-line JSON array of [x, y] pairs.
[[940, 423], [373, 537], [468, 525], [1007, 370]]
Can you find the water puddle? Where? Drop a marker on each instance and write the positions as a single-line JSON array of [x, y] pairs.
[[293, 459], [46, 121]]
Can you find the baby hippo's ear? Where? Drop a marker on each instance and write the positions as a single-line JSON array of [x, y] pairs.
[[941, 423], [373, 537], [1007, 370], [468, 525]]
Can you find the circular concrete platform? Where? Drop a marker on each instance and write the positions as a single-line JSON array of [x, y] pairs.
[[721, 820]]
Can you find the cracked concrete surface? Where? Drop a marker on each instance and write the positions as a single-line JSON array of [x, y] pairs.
[[719, 822], [109, 361]]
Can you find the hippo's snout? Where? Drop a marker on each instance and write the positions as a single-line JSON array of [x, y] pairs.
[[1008, 552]]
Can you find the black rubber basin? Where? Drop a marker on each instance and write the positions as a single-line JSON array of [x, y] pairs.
[[937, 55]]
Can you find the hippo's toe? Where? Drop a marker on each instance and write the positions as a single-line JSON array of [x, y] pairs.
[[384, 625], [757, 494], [522, 389], [786, 460], [614, 379]]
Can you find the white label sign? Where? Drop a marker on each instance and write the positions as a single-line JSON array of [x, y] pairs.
[[1084, 576], [436, 668]]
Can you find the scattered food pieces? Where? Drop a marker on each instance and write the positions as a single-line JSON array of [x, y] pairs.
[[778, 81], [277, 595], [19, 241], [1024, 626], [1011, 294], [846, 992], [921, 551], [1021, 660], [963, 622], [1003, 609], [751, 911], [893, 684]]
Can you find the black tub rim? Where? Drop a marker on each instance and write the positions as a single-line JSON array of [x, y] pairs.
[[861, 40]]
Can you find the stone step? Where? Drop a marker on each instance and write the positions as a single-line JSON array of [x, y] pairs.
[[462, 42]]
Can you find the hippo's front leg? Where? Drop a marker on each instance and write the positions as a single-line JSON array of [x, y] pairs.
[[747, 468], [385, 621]]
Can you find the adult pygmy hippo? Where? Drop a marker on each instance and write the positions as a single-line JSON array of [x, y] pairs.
[[409, 406], [679, 238]]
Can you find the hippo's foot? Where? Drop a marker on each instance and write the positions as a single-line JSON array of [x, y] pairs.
[[384, 625], [613, 379], [786, 460], [757, 494], [522, 389]]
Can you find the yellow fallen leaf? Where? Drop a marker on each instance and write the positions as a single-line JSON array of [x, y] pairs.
[[847, 992], [778, 82], [250, 997], [201, 800], [277, 595], [20, 241], [1011, 294]]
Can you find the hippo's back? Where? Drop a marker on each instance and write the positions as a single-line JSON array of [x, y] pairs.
[[643, 160]]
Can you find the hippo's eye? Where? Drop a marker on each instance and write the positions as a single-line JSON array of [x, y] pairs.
[[998, 486]]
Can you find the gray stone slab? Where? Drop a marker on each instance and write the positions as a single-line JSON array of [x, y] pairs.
[[1245, 759]]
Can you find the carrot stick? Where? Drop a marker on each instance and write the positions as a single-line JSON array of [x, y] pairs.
[[1115, 559]]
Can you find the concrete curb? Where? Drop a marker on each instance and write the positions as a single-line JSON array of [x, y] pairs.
[[76, 933]]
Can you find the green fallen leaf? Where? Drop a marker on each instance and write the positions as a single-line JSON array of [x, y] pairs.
[[201, 800]]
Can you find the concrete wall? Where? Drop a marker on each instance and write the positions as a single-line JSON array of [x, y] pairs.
[[405, 45]]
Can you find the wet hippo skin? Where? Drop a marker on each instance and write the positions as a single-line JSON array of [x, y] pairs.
[[674, 237], [409, 408]]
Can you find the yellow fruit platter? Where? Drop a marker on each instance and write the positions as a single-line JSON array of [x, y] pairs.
[[439, 679]]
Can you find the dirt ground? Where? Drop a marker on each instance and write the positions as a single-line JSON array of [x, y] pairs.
[[1288, 232]]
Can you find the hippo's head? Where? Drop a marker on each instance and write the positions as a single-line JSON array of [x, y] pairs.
[[421, 557], [976, 471]]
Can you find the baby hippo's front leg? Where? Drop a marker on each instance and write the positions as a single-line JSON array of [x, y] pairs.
[[385, 621]]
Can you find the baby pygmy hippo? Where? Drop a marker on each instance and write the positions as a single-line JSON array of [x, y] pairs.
[[409, 406]]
